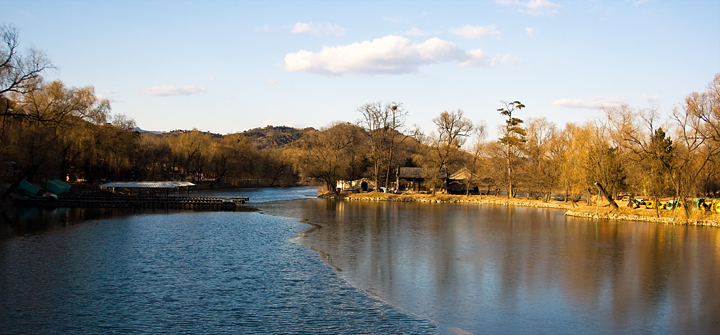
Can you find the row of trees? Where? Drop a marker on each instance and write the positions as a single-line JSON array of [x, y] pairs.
[[625, 150], [49, 130]]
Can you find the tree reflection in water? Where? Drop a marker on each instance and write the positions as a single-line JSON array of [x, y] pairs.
[[517, 270]]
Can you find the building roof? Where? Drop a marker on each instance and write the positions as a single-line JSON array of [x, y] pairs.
[[148, 184], [410, 173], [462, 174]]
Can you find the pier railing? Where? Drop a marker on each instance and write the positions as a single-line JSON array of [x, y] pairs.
[[129, 201]]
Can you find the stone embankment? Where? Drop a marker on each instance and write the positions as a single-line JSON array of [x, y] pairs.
[[455, 199], [643, 218], [582, 212]]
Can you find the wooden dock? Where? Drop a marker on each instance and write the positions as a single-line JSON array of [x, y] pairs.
[[128, 201]]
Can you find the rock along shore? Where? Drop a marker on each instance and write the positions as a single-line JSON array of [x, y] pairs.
[[581, 212]]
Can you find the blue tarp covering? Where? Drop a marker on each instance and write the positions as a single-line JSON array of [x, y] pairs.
[[28, 188], [57, 186]]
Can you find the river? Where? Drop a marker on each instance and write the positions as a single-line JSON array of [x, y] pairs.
[[305, 265]]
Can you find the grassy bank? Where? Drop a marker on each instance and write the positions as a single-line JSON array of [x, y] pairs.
[[585, 211]]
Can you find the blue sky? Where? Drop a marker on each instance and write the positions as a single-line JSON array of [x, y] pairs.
[[228, 66]]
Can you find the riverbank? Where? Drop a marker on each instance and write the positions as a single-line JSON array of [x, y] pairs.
[[696, 218]]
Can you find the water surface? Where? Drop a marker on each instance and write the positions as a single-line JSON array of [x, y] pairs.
[[371, 268], [514, 270], [140, 271]]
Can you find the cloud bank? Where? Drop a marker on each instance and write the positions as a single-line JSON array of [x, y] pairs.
[[164, 91], [388, 55], [592, 103], [318, 29], [532, 7]]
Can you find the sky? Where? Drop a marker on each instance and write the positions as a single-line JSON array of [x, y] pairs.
[[229, 66]]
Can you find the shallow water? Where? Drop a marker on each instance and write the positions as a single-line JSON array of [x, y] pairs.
[[513, 270], [87, 271]]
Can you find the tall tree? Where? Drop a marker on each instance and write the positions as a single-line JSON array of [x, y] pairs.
[[444, 144], [332, 154], [659, 153], [475, 165], [513, 137], [698, 143], [543, 150], [383, 122]]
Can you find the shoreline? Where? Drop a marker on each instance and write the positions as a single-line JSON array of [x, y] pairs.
[[582, 211]]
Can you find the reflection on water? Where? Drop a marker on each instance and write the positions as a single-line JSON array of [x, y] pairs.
[[258, 195], [21, 221], [486, 269]]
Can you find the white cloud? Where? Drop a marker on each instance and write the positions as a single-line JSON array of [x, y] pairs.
[[318, 29], [531, 31], [532, 7], [640, 2], [414, 31], [164, 91], [592, 103], [649, 98], [475, 32], [388, 55], [210, 78], [271, 81]]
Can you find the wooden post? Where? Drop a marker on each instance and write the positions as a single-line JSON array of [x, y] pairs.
[[597, 204]]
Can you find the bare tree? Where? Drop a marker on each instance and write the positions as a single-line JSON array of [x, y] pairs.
[[384, 123], [334, 153], [544, 151], [698, 126], [18, 71], [444, 145]]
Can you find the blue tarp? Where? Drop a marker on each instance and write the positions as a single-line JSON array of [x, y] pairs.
[[28, 188], [57, 186]]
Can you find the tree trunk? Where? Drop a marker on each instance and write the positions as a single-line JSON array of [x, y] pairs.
[[607, 197], [509, 170]]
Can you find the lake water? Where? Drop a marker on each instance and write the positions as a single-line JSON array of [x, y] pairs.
[[306, 265]]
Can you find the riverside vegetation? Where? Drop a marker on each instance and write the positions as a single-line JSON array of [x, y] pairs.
[[49, 130]]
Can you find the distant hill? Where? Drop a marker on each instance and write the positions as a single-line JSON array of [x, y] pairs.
[[275, 136], [181, 131], [140, 130]]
